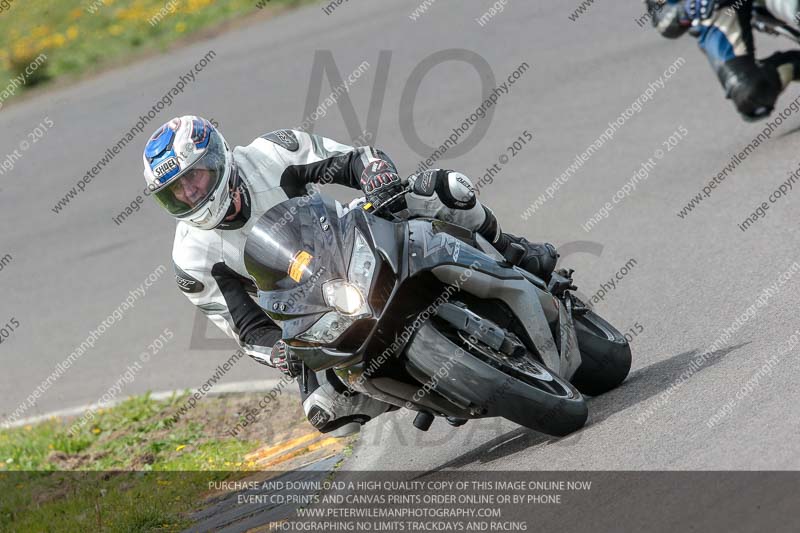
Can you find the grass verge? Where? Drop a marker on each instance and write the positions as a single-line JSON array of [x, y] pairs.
[[47, 39], [129, 469], [138, 434]]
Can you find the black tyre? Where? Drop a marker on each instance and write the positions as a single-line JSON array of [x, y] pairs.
[[605, 355], [520, 389]]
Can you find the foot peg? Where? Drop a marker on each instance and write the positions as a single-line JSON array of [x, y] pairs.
[[423, 421]]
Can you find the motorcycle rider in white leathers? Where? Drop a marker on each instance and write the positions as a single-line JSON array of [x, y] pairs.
[[218, 194], [724, 32]]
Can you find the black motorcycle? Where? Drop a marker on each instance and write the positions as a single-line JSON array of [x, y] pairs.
[[427, 315]]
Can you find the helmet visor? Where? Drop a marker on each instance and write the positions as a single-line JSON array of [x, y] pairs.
[[195, 185]]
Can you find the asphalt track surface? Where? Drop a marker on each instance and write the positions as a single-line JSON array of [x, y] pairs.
[[692, 278]]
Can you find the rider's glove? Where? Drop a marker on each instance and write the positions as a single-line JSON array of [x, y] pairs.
[[285, 360], [382, 186]]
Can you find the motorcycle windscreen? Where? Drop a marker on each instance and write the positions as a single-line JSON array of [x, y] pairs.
[[293, 243]]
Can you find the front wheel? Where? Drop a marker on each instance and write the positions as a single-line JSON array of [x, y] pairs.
[[519, 388]]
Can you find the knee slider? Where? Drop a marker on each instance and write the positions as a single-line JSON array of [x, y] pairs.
[[319, 417]]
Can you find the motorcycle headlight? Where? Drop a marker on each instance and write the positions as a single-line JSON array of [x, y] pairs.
[[344, 297], [362, 264], [348, 298], [349, 306]]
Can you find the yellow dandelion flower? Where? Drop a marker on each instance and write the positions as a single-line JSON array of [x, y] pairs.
[[180, 27], [39, 31], [179, 448], [21, 49], [195, 5], [28, 428], [58, 40], [127, 14], [115, 29], [96, 431]]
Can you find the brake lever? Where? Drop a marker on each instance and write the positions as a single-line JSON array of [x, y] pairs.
[[377, 211]]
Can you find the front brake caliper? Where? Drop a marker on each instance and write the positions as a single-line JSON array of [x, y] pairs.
[[480, 329]]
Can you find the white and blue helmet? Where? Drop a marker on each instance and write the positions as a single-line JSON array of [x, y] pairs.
[[188, 167]]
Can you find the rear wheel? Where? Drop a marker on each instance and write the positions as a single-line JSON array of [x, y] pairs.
[[605, 355]]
